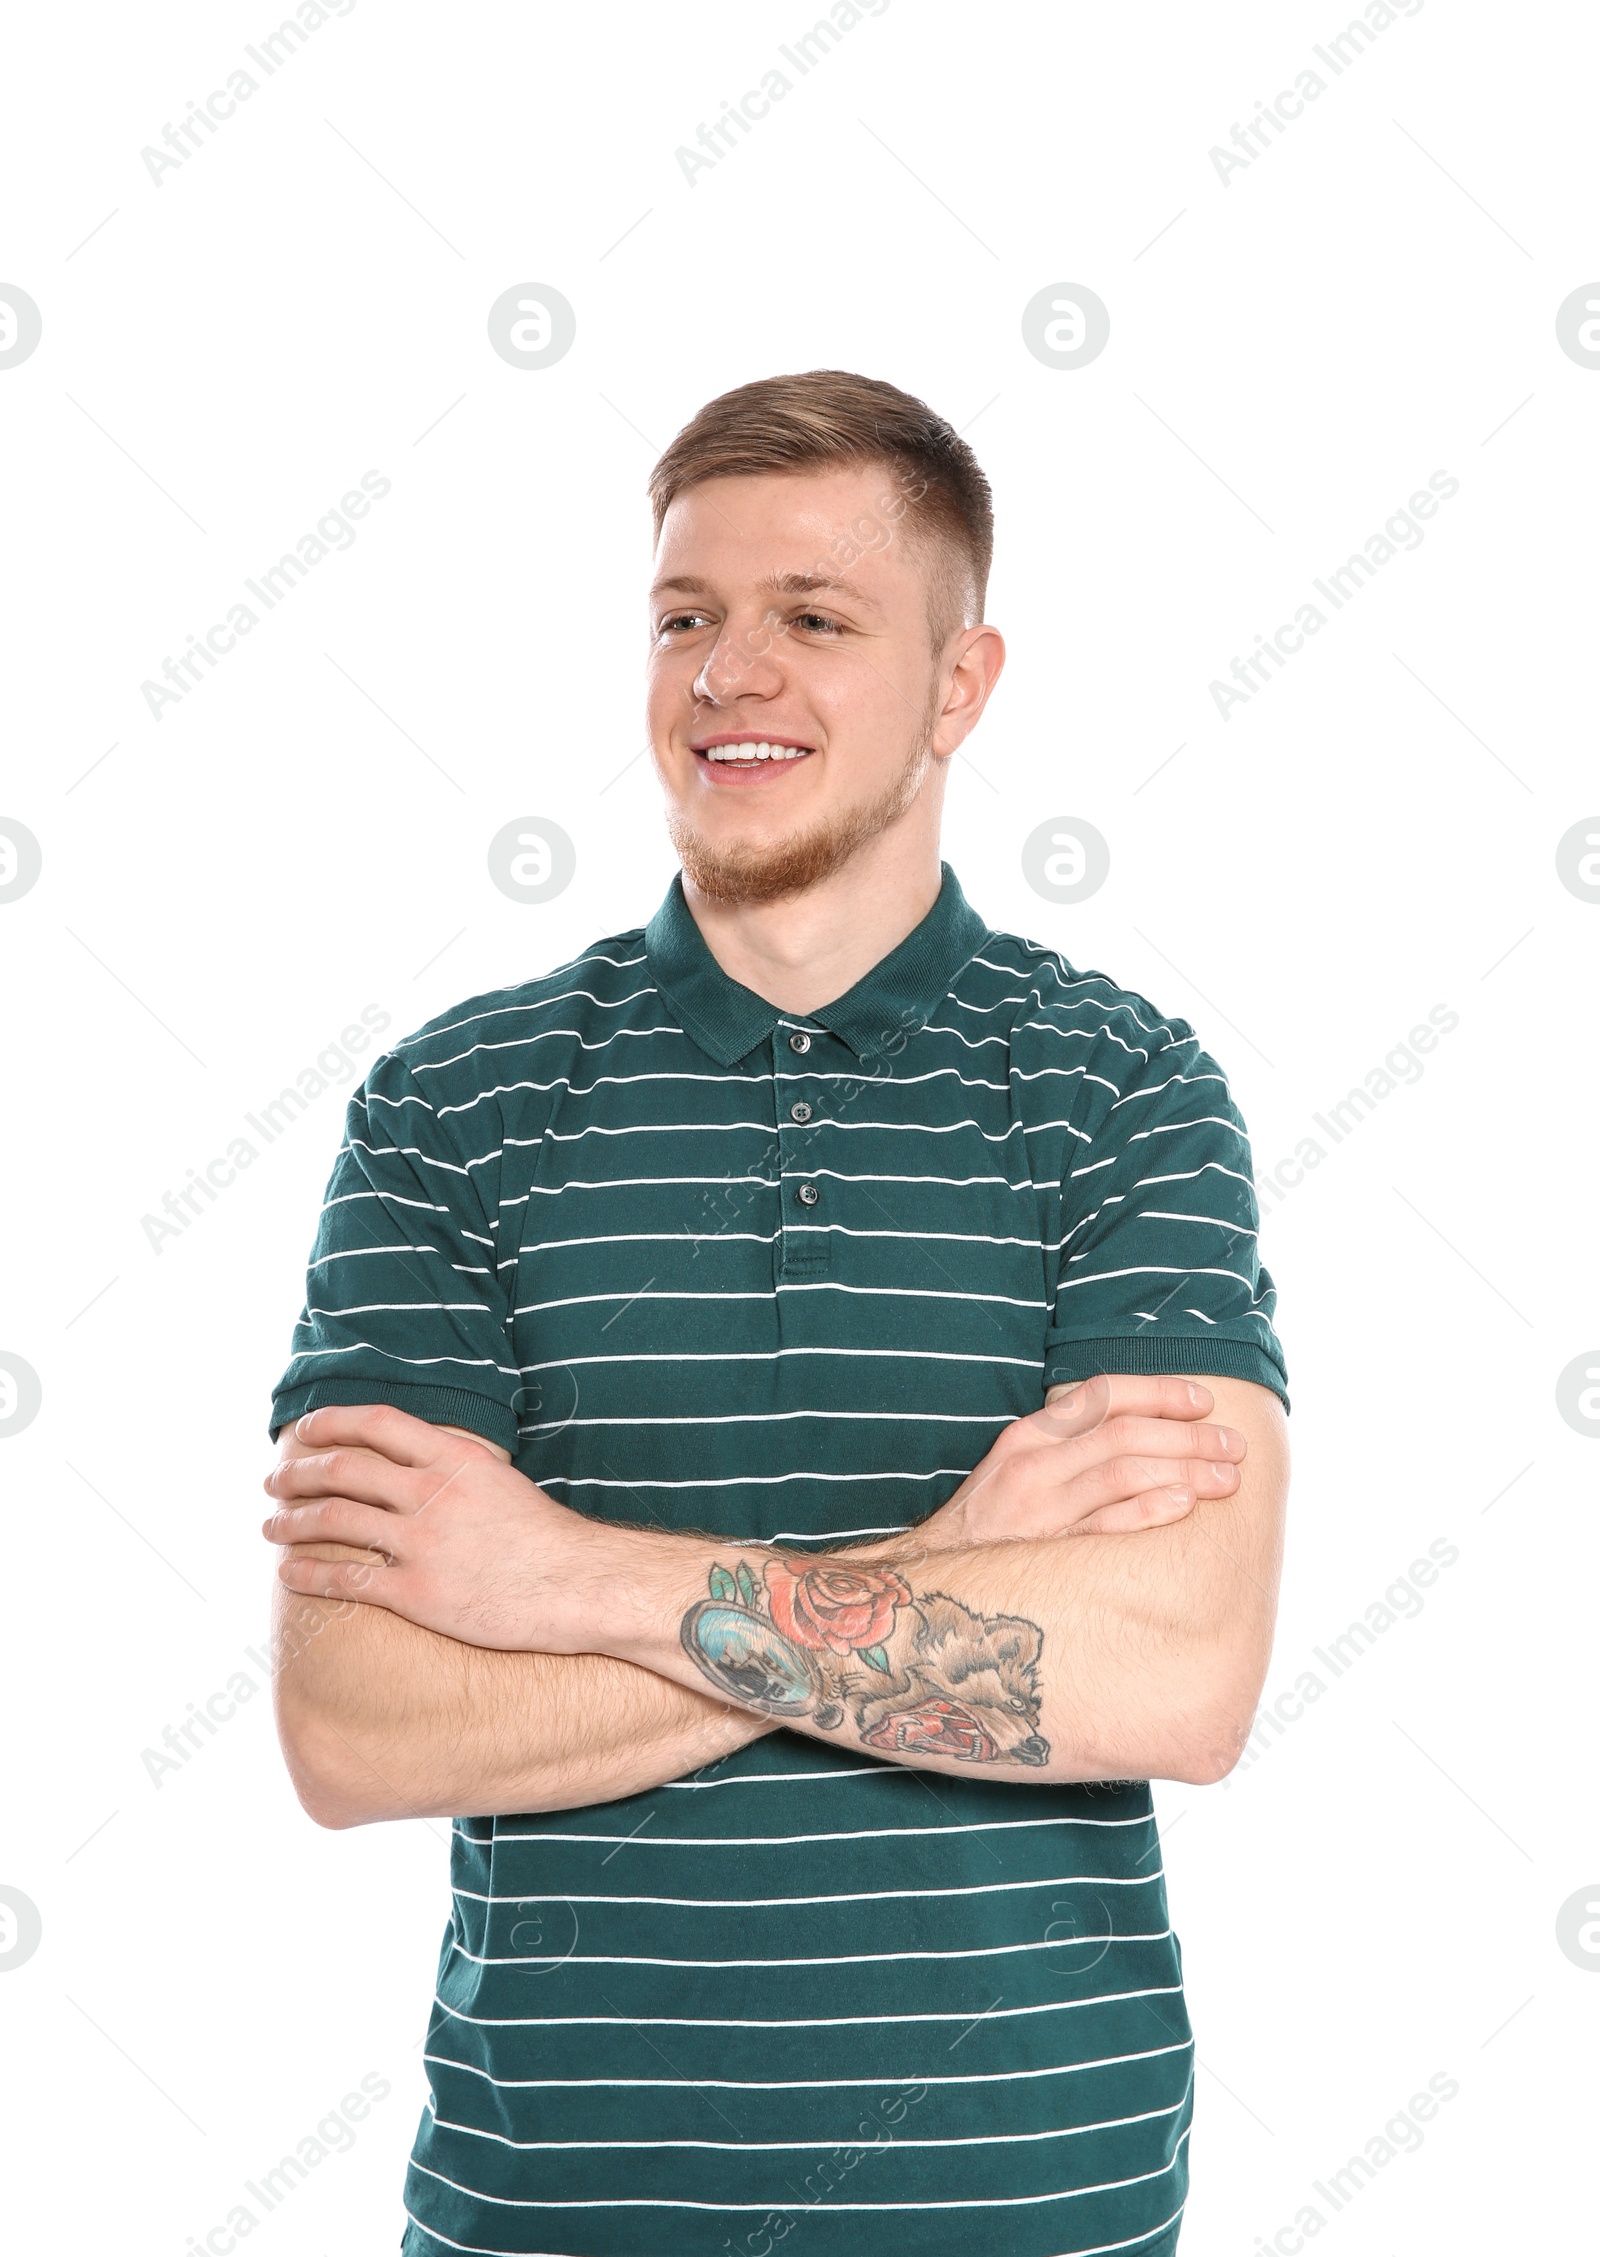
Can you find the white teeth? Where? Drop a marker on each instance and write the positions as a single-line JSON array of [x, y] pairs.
[[748, 752]]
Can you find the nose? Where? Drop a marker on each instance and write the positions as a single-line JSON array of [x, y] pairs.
[[1032, 1751], [741, 660]]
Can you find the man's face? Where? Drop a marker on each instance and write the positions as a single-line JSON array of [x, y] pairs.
[[789, 613]]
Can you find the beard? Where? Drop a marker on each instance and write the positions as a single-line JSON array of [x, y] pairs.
[[736, 872]]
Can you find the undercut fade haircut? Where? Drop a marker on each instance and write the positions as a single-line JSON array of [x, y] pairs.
[[936, 496]]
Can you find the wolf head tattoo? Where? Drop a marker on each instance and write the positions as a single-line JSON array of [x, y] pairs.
[[966, 1686], [918, 1674]]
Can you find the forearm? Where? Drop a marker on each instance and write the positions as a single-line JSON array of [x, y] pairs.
[[380, 1718], [1070, 1658], [1027, 1643]]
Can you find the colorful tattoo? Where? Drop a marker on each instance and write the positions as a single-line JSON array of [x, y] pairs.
[[917, 1674]]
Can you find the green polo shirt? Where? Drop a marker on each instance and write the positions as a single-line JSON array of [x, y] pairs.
[[701, 1263]]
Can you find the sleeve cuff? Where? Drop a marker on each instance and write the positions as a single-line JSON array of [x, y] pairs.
[[440, 1406], [1166, 1352]]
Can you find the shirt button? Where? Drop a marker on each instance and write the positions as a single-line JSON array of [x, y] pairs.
[[800, 1112], [808, 1195], [800, 1042]]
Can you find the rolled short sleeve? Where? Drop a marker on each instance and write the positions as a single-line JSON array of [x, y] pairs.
[[403, 1300], [1159, 1267]]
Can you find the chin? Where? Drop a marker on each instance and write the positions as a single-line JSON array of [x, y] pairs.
[[742, 870], [731, 868]]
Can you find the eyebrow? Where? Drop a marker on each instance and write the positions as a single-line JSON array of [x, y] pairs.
[[776, 584]]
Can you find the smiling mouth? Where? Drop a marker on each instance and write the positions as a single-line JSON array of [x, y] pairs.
[[751, 753]]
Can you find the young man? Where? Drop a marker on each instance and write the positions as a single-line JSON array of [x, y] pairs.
[[747, 1445]]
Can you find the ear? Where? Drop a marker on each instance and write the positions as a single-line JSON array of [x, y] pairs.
[[1023, 1642], [974, 660]]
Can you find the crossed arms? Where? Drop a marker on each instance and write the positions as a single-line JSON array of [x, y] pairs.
[[1095, 1602]]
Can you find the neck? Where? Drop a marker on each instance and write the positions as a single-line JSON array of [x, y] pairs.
[[807, 949]]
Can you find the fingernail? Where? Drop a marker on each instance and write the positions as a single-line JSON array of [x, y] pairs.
[[1068, 1402], [1197, 1396], [1180, 1496], [1230, 1440]]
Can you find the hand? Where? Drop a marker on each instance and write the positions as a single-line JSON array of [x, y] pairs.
[[456, 1539], [1115, 1454]]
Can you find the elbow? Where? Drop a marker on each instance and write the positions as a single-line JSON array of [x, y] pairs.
[[1221, 1689], [1218, 1735], [331, 1812], [322, 1706], [323, 1796], [326, 1803], [333, 1786], [1207, 1761]]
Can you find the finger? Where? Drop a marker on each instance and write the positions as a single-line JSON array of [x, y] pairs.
[[1122, 1478], [1088, 1405], [1089, 1402], [1152, 1437], [1152, 1508], [350, 1473], [336, 1551], [393, 1433], [335, 1579], [332, 1520]]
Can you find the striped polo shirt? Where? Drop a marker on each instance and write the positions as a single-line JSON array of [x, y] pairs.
[[701, 1263]]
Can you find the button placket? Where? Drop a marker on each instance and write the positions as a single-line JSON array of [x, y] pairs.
[[801, 1251]]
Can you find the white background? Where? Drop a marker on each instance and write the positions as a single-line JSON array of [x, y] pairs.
[[1373, 1900]]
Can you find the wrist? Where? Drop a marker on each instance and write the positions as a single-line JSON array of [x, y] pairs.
[[945, 1530], [628, 1592]]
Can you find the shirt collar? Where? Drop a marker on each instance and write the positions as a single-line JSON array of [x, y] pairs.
[[893, 1001]]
